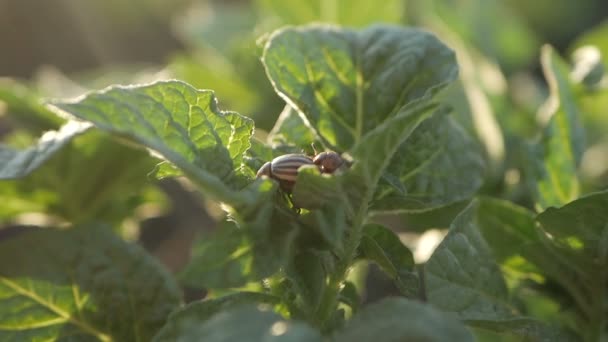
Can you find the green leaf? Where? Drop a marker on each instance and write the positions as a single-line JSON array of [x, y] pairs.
[[354, 188], [82, 284], [254, 244], [582, 225], [180, 320], [398, 319], [180, 123], [19, 163], [308, 276], [437, 165], [291, 130], [382, 246], [92, 176], [525, 251], [360, 12], [509, 229], [374, 153], [329, 221], [247, 323], [347, 82], [350, 296], [462, 277], [562, 143], [218, 261]]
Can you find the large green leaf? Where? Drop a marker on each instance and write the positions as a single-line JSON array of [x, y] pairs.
[[80, 284], [355, 187], [509, 229], [359, 13], [438, 164], [382, 246], [581, 225], [182, 124], [19, 163], [347, 82], [562, 142], [179, 321], [246, 323], [525, 252], [463, 278], [398, 319]]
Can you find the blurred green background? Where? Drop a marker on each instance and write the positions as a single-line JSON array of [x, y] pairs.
[[61, 48], [212, 44]]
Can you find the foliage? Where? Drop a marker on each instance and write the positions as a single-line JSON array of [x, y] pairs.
[[526, 250]]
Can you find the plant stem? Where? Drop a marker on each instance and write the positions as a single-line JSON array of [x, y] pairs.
[[329, 301]]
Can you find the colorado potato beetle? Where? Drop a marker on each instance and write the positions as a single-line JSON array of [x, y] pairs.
[[328, 162], [284, 169]]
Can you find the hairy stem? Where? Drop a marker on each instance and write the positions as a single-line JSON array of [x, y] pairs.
[[329, 301]]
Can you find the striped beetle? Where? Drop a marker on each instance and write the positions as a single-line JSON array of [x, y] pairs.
[[284, 169]]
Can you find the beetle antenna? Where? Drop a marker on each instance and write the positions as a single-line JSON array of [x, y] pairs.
[[312, 144]]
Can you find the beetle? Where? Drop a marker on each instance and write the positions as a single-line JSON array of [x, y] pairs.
[[284, 169], [329, 161]]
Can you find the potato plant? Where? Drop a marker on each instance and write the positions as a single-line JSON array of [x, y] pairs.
[[279, 263]]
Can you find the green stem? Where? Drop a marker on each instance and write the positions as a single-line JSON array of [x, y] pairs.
[[329, 301]]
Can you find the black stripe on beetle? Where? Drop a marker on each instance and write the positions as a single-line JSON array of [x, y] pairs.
[[285, 169]]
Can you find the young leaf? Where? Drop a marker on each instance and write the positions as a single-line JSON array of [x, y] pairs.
[[347, 82], [180, 123], [437, 165], [19, 163], [462, 277], [82, 283], [382, 246], [246, 323], [398, 319], [180, 320], [562, 143]]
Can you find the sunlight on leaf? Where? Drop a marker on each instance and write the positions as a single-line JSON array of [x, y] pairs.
[[180, 123], [83, 282]]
